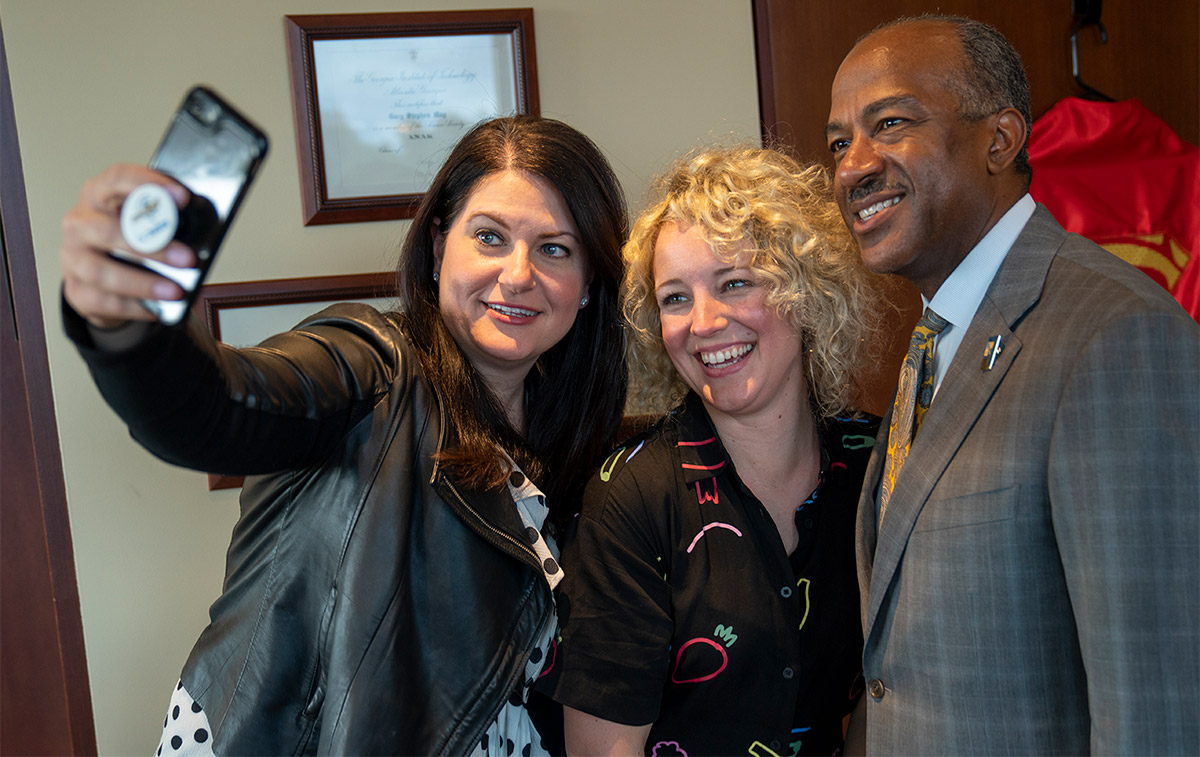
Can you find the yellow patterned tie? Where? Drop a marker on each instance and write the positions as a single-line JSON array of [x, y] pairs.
[[912, 400]]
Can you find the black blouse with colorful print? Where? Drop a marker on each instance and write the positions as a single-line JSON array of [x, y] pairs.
[[681, 608]]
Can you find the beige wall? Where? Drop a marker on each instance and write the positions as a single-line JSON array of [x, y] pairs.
[[94, 82]]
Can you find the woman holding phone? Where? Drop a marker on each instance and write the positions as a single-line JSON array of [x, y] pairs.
[[389, 585]]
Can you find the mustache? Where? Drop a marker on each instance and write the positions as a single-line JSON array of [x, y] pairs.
[[870, 188]]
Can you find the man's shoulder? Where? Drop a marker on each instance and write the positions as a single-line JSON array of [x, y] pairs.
[[1089, 302], [1083, 270], [1080, 276]]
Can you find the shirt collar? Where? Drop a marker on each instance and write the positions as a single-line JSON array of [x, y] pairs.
[[701, 453], [959, 296]]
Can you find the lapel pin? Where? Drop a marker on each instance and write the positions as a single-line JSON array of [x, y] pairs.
[[991, 352]]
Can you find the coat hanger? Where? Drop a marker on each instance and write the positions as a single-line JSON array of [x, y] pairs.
[[1086, 13]]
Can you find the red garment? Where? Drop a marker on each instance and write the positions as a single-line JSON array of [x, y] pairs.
[[1118, 175]]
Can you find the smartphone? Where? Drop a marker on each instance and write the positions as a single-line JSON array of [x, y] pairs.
[[215, 152]]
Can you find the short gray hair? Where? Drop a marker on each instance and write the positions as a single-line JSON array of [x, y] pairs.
[[994, 78]]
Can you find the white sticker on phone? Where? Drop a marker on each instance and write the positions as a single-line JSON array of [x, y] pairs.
[[149, 218]]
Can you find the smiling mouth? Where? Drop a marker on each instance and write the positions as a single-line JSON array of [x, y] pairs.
[[866, 213], [512, 312], [726, 357]]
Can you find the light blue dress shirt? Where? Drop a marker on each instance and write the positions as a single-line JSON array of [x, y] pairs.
[[959, 296]]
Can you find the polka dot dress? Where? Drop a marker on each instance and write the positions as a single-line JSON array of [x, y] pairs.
[[513, 734], [185, 729]]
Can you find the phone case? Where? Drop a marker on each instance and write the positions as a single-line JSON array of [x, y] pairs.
[[215, 152]]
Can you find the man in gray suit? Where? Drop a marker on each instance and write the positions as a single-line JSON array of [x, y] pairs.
[[1028, 560]]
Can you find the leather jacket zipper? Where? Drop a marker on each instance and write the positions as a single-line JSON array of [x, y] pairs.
[[496, 536], [504, 542]]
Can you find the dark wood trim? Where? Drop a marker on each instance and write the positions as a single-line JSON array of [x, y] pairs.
[[214, 298], [54, 657], [761, 12]]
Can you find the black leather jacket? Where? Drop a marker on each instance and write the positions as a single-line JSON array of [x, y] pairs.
[[371, 604]]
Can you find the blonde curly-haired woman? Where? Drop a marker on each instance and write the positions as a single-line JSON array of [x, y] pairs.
[[710, 604]]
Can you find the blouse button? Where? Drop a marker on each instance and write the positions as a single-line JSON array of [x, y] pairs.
[[517, 479], [531, 533], [550, 566], [788, 673], [776, 745], [876, 688], [785, 592]]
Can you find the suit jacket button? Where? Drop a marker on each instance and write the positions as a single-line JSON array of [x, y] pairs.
[[875, 688]]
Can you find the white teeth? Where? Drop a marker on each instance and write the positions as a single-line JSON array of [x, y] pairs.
[[868, 212], [514, 312], [721, 357]]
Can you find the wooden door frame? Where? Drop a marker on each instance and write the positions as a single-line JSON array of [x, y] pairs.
[[43, 664]]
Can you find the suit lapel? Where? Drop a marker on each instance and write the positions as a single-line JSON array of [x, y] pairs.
[[868, 509], [962, 397]]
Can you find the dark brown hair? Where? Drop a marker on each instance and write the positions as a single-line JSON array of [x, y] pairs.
[[575, 394]]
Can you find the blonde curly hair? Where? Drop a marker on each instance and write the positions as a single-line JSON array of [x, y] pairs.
[[801, 251]]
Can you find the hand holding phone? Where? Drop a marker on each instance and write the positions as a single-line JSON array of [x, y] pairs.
[[215, 152]]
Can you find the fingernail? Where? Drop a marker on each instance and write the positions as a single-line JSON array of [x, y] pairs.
[[178, 256], [179, 193], [165, 290]]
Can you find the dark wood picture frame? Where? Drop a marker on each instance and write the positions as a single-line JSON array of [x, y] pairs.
[[303, 31], [317, 290]]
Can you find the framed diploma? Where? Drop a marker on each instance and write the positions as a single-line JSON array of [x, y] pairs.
[[381, 98], [242, 314]]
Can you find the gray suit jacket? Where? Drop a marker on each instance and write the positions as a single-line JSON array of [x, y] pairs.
[[1035, 585]]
